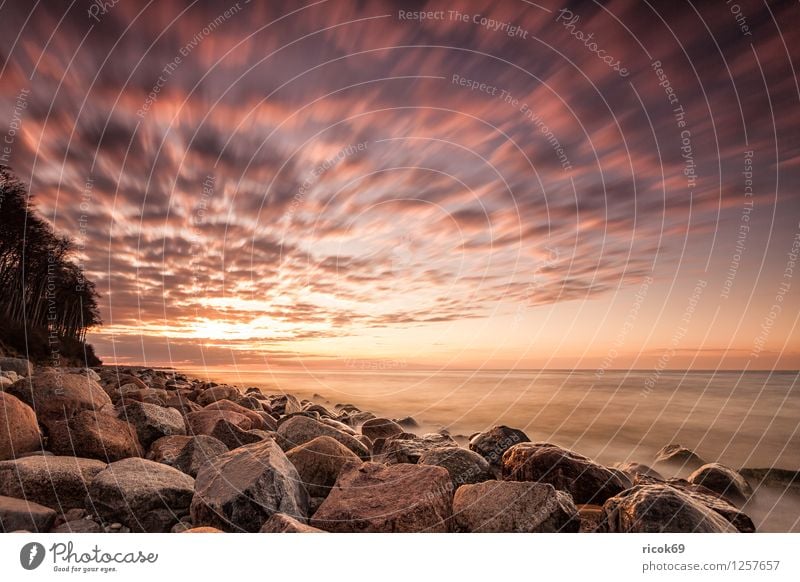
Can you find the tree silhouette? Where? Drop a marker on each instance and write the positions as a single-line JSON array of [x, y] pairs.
[[40, 285]]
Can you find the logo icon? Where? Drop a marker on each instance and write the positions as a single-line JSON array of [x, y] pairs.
[[31, 555]]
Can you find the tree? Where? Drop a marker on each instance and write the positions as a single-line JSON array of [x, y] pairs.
[[40, 285]]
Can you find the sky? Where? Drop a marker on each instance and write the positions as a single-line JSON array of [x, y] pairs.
[[385, 185]]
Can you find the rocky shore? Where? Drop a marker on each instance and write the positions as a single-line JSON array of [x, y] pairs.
[[140, 450]]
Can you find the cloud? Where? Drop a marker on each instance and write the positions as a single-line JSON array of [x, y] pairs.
[[453, 198]]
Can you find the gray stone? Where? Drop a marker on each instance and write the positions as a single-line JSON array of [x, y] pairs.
[[240, 490], [143, 495], [513, 506]]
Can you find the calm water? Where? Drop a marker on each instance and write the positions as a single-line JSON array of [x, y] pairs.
[[739, 419]]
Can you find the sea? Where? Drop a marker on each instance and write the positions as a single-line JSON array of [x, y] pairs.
[[740, 419]]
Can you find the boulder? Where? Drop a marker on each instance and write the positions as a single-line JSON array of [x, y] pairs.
[[181, 403], [202, 529], [203, 421], [186, 453], [565, 470], [57, 482], [407, 423], [380, 428], [723, 481], [19, 430], [370, 497], [288, 417], [256, 421], [251, 403], [678, 457], [282, 523], [16, 514], [91, 374], [240, 490], [319, 409], [217, 393], [340, 426], [356, 418], [140, 494], [708, 498], [408, 448], [513, 506], [149, 395], [113, 381], [465, 467], [19, 366], [633, 469], [661, 508], [319, 463], [235, 437], [285, 404], [269, 422], [55, 396], [491, 444], [94, 435], [299, 430], [152, 422]]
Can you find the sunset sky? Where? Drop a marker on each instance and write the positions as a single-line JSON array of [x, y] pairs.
[[345, 184]]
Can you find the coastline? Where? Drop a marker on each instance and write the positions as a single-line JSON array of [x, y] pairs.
[[124, 433]]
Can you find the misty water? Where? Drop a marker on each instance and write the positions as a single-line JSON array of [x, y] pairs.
[[739, 419]]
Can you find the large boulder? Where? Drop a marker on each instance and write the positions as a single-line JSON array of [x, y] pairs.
[[319, 463], [216, 393], [19, 366], [513, 506], [235, 437], [204, 421], [55, 396], [94, 435], [19, 430], [240, 490], [408, 448], [181, 403], [186, 453], [19, 514], [380, 428], [465, 467], [370, 497], [285, 404], [256, 421], [711, 500], [57, 482], [678, 458], [140, 494], [565, 470], [661, 508], [723, 481], [282, 523], [491, 444], [299, 430], [151, 421]]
